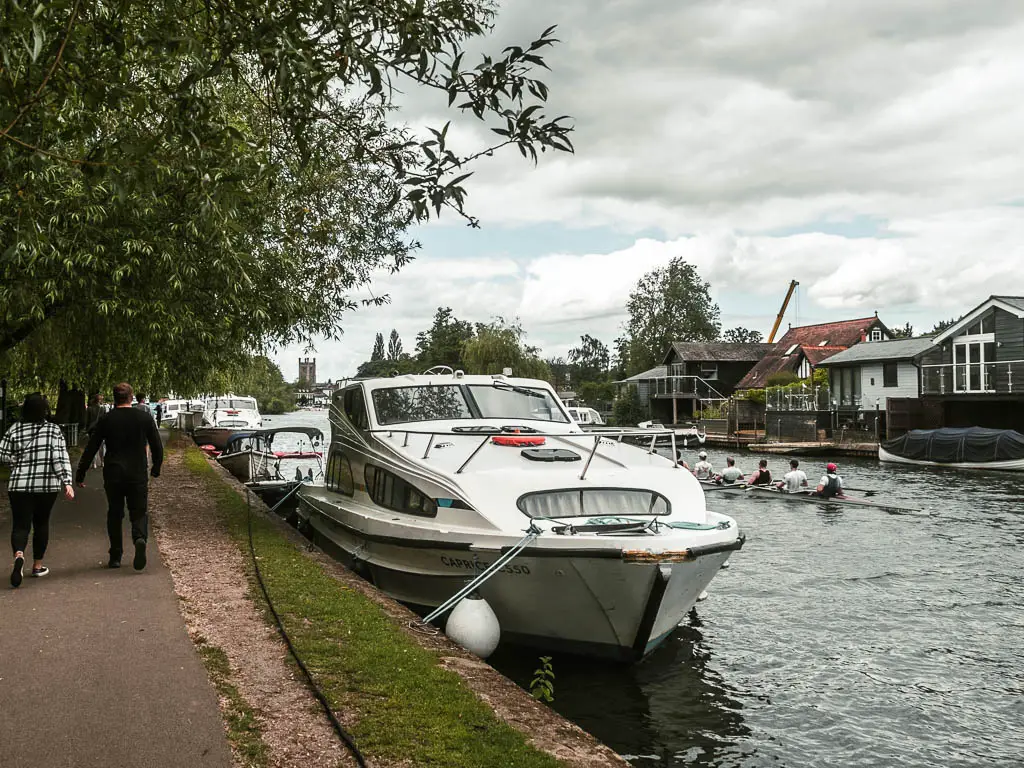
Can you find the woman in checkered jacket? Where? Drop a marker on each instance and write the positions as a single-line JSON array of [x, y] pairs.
[[40, 469]]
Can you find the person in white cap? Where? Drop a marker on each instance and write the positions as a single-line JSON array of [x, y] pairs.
[[703, 469]]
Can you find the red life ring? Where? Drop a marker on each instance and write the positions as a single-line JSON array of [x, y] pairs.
[[524, 441]]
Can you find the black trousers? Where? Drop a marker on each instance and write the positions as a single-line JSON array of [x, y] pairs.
[[135, 496], [31, 512]]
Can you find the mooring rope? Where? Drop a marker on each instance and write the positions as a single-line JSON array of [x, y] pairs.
[[344, 735]]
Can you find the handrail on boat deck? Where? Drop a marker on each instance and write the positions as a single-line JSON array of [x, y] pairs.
[[565, 437]]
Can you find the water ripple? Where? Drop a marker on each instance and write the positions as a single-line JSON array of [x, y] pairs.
[[847, 637]]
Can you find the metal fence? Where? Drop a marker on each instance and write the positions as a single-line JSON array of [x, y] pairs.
[[797, 398], [71, 433]]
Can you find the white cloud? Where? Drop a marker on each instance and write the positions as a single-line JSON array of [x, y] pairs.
[[930, 268], [751, 115], [700, 121]]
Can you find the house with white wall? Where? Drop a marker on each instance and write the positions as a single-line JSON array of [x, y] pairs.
[[863, 378]]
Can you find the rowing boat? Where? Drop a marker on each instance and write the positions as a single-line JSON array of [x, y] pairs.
[[841, 500], [711, 485]]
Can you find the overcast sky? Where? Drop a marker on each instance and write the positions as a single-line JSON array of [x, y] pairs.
[[870, 150]]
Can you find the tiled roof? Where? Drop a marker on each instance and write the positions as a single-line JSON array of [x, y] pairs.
[[817, 354], [772, 363], [897, 349], [719, 351], [845, 333], [836, 337]]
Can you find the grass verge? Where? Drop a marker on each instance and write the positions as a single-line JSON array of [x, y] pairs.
[[406, 706], [243, 728]]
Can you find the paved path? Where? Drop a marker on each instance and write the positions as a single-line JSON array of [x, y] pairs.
[[95, 666]]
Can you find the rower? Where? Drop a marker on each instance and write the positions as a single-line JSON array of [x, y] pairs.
[[830, 485], [703, 469], [731, 473], [795, 480], [762, 476]]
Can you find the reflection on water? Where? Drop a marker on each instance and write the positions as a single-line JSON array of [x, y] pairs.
[[840, 636], [672, 704]]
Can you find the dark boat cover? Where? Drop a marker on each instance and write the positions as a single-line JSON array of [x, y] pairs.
[[958, 445]]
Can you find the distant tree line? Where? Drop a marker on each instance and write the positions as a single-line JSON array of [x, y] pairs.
[[461, 345]]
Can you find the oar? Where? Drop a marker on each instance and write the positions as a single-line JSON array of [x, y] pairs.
[[733, 487], [868, 491]]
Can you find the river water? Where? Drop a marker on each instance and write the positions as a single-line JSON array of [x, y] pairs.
[[837, 637]]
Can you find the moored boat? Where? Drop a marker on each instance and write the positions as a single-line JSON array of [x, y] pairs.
[[216, 436], [431, 478], [250, 456], [234, 411], [958, 448]]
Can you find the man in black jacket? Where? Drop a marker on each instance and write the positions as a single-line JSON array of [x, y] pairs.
[[125, 431]]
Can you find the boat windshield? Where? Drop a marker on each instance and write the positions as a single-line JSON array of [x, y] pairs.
[[226, 403], [593, 502], [400, 405], [504, 401]]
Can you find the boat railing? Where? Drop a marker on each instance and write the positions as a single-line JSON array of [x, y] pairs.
[[990, 377], [615, 434]]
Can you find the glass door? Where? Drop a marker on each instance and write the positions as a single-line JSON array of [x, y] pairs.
[[960, 367], [969, 374]]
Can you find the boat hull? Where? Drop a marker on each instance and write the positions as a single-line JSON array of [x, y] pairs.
[[1012, 465], [215, 436], [273, 492], [588, 602]]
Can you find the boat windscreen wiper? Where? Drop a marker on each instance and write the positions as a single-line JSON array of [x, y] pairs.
[[517, 390]]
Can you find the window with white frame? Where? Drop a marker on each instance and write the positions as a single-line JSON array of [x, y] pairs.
[[876, 334], [709, 370]]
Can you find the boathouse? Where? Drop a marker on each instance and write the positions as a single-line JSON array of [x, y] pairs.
[[695, 376], [865, 378], [972, 374]]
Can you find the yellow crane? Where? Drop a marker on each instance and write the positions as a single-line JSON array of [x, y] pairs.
[[785, 303]]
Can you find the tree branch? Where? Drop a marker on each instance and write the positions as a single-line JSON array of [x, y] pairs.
[[53, 68], [12, 338]]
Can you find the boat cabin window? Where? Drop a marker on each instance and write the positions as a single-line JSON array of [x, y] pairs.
[[339, 474], [231, 403], [593, 502], [355, 408], [392, 492], [397, 405], [508, 402]]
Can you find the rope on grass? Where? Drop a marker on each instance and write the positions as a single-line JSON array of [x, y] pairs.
[[344, 735]]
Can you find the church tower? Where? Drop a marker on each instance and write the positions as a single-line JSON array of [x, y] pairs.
[[307, 371]]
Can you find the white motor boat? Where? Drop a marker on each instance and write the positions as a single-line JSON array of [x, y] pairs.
[[232, 411], [585, 417], [224, 416], [431, 478]]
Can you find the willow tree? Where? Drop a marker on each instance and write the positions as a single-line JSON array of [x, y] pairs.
[[499, 345], [185, 183]]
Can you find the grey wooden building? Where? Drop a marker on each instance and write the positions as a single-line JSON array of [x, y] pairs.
[[973, 374], [693, 376]]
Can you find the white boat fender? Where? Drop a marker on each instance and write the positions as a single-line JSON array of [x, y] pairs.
[[473, 625], [702, 597]]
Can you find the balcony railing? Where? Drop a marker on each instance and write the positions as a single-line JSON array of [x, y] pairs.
[[793, 398], [685, 385], [1005, 377]]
